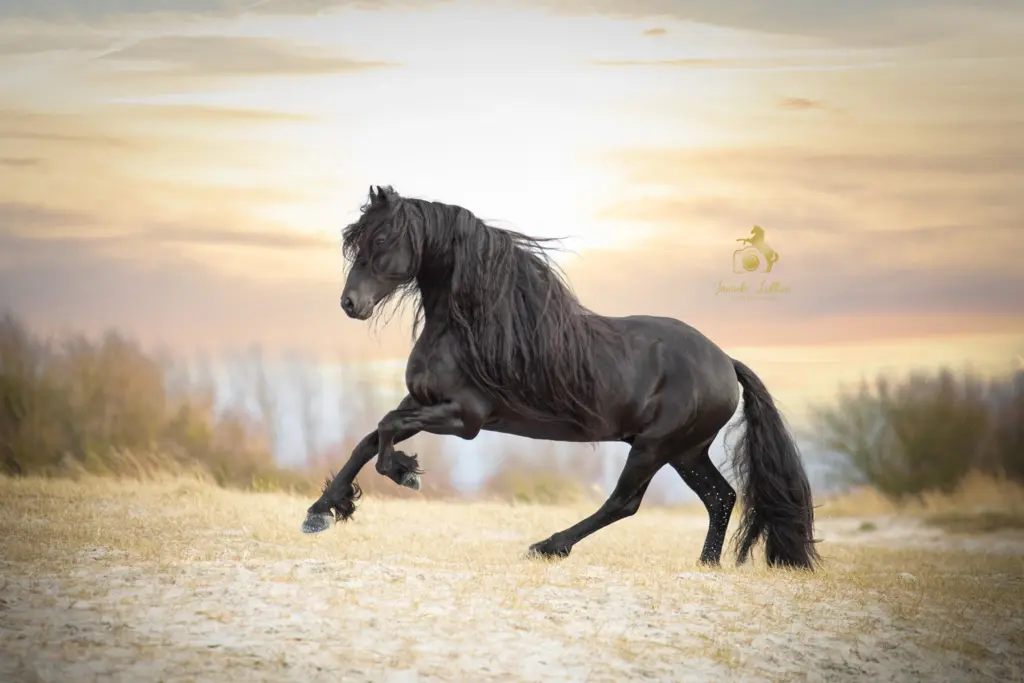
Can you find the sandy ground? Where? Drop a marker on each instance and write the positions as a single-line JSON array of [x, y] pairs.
[[182, 582]]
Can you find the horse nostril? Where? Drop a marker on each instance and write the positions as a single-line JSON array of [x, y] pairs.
[[347, 304]]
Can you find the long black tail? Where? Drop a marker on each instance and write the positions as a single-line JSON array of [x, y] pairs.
[[777, 502]]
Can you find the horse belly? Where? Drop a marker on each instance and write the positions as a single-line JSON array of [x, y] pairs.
[[545, 431]]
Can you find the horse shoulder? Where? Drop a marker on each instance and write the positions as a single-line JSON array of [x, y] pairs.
[[432, 372]]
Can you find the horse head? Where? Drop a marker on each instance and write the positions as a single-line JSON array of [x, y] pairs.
[[383, 252]]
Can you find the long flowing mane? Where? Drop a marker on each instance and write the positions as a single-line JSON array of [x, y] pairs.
[[522, 334]]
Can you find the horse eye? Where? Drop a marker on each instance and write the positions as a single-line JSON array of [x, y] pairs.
[[379, 240]]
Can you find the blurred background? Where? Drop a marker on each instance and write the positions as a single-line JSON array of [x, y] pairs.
[[174, 177]]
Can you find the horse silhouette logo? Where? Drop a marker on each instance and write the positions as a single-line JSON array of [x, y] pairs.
[[749, 258]]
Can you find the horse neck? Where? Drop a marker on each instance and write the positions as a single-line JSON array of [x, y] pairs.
[[434, 294]]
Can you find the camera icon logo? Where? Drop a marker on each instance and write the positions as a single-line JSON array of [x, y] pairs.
[[757, 256]]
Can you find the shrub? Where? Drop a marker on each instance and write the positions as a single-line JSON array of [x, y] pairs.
[[105, 407], [925, 432]]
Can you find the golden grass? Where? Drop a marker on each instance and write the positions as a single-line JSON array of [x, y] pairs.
[[978, 494], [179, 580], [981, 522]]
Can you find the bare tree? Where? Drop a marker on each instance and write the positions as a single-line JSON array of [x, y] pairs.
[[253, 394], [308, 388]]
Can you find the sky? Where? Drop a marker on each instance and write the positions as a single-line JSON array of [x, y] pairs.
[[182, 170]]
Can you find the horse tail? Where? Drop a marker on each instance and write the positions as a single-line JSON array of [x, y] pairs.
[[776, 493]]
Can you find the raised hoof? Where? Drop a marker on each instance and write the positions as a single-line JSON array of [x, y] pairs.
[[548, 550], [411, 480], [317, 522]]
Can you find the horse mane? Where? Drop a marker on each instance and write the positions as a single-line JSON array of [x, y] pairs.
[[522, 334]]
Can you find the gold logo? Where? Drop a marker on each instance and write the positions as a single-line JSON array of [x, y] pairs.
[[755, 257]]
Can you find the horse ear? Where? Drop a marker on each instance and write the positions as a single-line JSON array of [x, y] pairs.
[[386, 194], [377, 196]]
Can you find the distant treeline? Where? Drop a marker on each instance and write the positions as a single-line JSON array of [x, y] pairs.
[[104, 406]]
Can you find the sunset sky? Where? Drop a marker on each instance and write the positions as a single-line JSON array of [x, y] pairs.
[[182, 170]]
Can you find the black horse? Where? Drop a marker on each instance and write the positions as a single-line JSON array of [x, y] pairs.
[[504, 345]]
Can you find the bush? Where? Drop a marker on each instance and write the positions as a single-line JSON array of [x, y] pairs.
[[107, 408], [1005, 453], [926, 432]]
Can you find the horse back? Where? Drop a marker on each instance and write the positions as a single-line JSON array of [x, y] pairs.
[[676, 368]]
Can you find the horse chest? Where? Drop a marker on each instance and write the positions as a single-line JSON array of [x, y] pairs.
[[431, 373]]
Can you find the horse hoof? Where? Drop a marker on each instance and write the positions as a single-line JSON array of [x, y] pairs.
[[411, 480], [548, 550], [317, 522]]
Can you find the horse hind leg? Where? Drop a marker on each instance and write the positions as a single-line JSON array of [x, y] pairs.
[[718, 496], [641, 466]]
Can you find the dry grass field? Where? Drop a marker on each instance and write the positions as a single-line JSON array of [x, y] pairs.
[[177, 580]]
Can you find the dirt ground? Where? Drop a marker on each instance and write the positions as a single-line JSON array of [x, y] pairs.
[[179, 581]]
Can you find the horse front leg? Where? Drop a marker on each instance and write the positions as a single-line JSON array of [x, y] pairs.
[[337, 501], [462, 418]]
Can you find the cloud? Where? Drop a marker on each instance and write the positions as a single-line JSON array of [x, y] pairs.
[[207, 115], [162, 298], [214, 56], [800, 104], [31, 126], [808, 63], [318, 6], [136, 127], [879, 23], [40, 222], [778, 164], [39, 39], [263, 239], [33, 218], [869, 23], [828, 195], [34, 136], [20, 162], [71, 10], [695, 63], [213, 184], [655, 32]]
